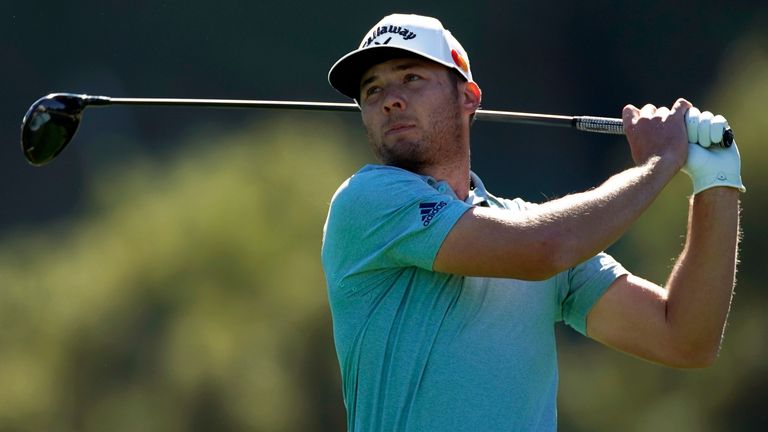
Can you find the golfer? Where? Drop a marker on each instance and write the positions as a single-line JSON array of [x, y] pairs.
[[444, 297]]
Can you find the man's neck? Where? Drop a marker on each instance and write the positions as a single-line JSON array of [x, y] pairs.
[[456, 174]]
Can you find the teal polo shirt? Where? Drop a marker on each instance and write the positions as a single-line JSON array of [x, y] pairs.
[[421, 350]]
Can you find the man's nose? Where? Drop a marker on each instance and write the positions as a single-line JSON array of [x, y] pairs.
[[393, 100]]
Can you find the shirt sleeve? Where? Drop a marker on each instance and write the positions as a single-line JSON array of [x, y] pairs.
[[580, 287], [386, 218], [585, 284]]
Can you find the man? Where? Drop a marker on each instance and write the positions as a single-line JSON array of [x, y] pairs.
[[444, 297]]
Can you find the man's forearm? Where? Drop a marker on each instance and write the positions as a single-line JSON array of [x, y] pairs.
[[589, 222], [701, 284], [551, 237]]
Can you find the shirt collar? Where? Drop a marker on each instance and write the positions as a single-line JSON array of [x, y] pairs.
[[477, 193]]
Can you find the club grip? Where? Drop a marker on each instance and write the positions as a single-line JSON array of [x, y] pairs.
[[615, 126], [605, 125]]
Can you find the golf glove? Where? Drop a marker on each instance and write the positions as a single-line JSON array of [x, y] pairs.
[[704, 128], [712, 166]]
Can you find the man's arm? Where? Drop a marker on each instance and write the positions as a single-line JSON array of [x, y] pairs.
[[552, 237], [681, 326], [557, 235]]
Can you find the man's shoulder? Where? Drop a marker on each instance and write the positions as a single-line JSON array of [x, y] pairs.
[[383, 176], [376, 182]]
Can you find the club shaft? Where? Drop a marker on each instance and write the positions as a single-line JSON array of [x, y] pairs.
[[235, 103], [585, 123]]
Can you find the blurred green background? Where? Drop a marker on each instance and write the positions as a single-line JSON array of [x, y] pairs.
[[163, 274]]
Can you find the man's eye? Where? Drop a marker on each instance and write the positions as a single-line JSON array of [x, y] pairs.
[[412, 77], [372, 90]]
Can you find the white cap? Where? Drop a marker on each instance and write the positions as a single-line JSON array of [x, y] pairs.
[[392, 37]]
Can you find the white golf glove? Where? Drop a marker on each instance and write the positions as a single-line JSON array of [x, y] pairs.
[[704, 128], [712, 166]]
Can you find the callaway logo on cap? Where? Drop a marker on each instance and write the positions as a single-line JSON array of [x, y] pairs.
[[388, 39]]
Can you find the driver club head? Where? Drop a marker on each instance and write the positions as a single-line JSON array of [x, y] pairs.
[[49, 125]]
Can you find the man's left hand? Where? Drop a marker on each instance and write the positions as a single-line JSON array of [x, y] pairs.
[[710, 166]]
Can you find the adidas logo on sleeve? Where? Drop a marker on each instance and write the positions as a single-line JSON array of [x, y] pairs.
[[429, 210]]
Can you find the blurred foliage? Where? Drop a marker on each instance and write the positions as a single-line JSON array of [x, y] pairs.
[[189, 297]]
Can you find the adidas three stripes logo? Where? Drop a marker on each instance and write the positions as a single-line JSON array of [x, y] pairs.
[[429, 210]]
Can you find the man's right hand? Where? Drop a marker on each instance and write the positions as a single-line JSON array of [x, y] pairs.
[[657, 132]]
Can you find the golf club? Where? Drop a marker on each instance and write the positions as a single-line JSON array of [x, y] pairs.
[[51, 122]]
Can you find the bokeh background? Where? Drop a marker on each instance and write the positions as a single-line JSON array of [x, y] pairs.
[[163, 273]]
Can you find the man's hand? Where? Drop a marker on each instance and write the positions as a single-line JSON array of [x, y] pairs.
[[704, 128], [712, 166], [657, 132]]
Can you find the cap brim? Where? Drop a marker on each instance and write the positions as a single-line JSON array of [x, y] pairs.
[[346, 74]]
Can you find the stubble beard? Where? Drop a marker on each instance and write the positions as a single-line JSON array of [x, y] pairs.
[[439, 143]]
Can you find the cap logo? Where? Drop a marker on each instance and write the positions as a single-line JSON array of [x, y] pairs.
[[397, 30], [459, 60]]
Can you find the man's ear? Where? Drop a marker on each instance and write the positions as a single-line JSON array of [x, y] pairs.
[[472, 95]]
